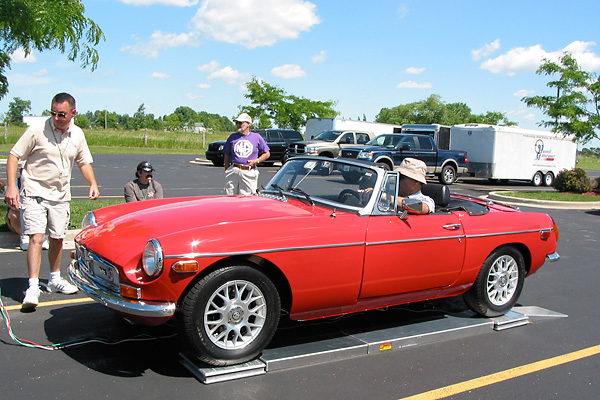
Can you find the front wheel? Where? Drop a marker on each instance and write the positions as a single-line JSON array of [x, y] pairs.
[[231, 315], [537, 179], [448, 175], [499, 283]]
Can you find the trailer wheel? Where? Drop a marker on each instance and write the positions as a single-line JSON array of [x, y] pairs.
[[448, 175], [548, 178], [538, 178]]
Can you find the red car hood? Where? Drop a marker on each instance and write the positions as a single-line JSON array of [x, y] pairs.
[[184, 227]]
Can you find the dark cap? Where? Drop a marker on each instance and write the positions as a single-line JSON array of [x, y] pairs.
[[145, 166]]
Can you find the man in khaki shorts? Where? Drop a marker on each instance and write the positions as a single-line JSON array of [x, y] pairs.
[[50, 152]]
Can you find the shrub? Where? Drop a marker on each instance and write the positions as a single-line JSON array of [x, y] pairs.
[[575, 180]]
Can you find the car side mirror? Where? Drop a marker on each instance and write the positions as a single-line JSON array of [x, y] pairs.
[[412, 206], [404, 147]]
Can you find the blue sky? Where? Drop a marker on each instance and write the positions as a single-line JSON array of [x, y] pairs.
[[366, 55]]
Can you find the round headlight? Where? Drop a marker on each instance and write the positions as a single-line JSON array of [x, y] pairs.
[[152, 260], [88, 220]]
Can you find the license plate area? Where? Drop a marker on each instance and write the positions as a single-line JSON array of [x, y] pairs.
[[105, 272]]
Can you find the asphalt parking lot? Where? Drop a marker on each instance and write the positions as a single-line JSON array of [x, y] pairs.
[[142, 362]]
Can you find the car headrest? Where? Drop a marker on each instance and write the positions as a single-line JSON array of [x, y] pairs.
[[439, 193]]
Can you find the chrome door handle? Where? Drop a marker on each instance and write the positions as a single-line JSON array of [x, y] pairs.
[[452, 227]]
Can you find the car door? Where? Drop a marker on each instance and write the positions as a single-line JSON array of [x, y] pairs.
[[417, 253], [425, 152], [276, 145]]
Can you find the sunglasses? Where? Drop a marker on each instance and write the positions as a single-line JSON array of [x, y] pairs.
[[60, 114]]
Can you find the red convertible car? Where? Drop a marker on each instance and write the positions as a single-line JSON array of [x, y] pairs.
[[309, 245]]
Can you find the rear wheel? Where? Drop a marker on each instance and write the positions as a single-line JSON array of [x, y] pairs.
[[229, 316], [448, 175], [499, 283], [548, 179]]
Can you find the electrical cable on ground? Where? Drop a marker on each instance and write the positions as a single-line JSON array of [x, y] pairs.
[[75, 343]]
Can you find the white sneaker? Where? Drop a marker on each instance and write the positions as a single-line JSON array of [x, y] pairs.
[[45, 244], [61, 285], [32, 296], [24, 242]]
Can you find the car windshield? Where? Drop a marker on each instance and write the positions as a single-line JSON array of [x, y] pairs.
[[385, 140], [330, 182], [328, 136]]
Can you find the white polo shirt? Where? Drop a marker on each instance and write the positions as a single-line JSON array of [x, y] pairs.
[[49, 157]]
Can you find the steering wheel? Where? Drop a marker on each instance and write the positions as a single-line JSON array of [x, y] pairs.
[[350, 197]]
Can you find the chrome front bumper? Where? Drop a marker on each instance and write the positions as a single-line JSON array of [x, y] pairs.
[[139, 308]]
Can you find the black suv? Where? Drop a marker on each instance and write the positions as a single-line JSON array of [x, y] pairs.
[[278, 141]]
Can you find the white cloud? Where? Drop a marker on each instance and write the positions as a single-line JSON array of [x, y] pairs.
[[288, 71], [18, 57], [41, 72], [414, 71], [254, 23], [230, 76], [320, 57], [414, 85], [402, 11], [176, 3], [485, 51], [528, 59], [160, 75], [30, 80], [210, 67], [522, 93], [203, 86], [192, 96], [159, 41]]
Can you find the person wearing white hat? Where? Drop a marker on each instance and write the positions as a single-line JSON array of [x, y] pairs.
[[412, 178], [243, 151]]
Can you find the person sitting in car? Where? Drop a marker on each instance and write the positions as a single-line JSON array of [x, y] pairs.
[[412, 178]]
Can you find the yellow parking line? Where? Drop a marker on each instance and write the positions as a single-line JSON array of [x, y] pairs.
[[505, 375], [54, 303]]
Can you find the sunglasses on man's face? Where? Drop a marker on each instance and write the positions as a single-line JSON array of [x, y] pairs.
[[59, 114]]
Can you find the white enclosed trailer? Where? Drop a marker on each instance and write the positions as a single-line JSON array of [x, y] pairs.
[[509, 152], [314, 126]]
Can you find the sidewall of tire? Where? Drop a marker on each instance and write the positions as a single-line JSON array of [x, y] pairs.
[[194, 305], [477, 298]]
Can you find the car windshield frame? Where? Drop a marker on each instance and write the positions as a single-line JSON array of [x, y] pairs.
[[350, 185], [395, 140]]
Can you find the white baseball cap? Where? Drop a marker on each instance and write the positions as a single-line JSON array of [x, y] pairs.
[[243, 117]]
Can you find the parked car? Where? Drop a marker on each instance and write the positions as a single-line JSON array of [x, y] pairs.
[[227, 268], [329, 143], [278, 141], [389, 150]]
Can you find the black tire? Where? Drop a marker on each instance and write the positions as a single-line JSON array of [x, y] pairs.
[[217, 163], [448, 175], [384, 165], [537, 179], [350, 197], [241, 326], [548, 179], [499, 283]]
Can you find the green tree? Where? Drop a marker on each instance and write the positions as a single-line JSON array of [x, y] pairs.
[[574, 110], [139, 118], [45, 25], [186, 115], [16, 109], [81, 121], [271, 106], [434, 111]]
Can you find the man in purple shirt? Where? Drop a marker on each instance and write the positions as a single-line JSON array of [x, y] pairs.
[[243, 151]]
